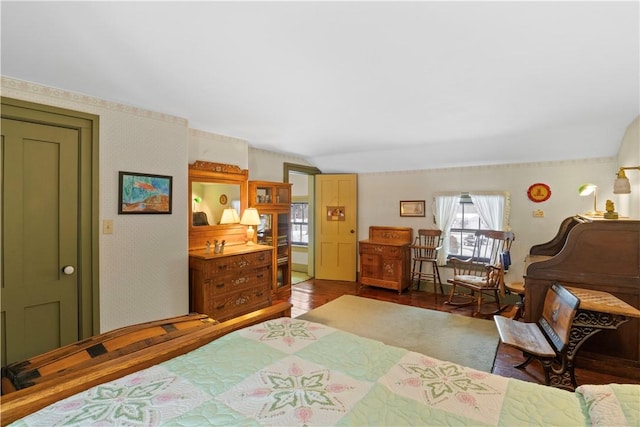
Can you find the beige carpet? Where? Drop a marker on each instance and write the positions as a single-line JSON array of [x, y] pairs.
[[461, 339]]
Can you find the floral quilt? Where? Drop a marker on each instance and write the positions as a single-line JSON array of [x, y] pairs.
[[289, 372]]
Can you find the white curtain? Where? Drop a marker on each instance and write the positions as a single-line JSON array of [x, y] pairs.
[[444, 212], [493, 208]]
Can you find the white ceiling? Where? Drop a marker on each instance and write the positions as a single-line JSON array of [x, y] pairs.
[[353, 86]]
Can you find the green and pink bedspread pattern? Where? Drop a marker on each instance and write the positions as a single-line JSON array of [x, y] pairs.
[[289, 372]]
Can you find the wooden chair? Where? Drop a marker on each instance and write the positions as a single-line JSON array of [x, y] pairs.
[[424, 250], [483, 272], [200, 218], [547, 340]]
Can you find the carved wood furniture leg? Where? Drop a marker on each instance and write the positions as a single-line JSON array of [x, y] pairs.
[[435, 266], [415, 276], [451, 294]]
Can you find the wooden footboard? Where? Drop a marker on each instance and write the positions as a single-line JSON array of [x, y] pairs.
[[141, 352]]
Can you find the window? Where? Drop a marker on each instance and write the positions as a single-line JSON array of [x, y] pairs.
[[300, 223], [465, 224], [459, 216]]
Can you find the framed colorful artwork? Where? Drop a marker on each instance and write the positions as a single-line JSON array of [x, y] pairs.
[[143, 193]]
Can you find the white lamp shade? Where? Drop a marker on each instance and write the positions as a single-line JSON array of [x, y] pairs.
[[622, 186], [230, 216], [250, 216]]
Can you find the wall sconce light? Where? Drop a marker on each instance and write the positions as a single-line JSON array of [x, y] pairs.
[[250, 217], [230, 216], [587, 189], [622, 184]]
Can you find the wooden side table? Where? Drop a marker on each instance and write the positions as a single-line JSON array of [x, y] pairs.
[[385, 258], [518, 289]]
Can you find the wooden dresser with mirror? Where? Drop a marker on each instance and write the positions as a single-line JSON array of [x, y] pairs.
[[225, 281]]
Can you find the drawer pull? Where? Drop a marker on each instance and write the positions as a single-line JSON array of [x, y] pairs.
[[259, 294], [259, 276], [220, 307], [220, 285]]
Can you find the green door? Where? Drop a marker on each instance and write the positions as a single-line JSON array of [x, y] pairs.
[[40, 277]]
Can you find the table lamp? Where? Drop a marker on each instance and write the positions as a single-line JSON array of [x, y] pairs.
[[250, 217], [196, 200], [587, 189], [230, 216]]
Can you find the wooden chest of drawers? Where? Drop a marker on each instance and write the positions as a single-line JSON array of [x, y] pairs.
[[227, 285], [385, 258]]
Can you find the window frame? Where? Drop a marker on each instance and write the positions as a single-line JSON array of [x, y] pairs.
[[447, 214], [298, 225], [464, 232]]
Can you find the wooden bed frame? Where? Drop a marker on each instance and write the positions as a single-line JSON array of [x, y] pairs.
[[142, 352]]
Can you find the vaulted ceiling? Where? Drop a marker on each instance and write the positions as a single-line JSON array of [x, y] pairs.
[[353, 86]]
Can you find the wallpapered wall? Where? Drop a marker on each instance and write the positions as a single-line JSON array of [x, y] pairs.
[[143, 266], [380, 194], [144, 263], [629, 155]]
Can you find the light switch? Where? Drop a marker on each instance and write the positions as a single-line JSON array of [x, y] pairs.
[[538, 213], [107, 226]]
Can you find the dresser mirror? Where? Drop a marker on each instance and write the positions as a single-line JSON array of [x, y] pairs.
[[214, 188], [209, 201]]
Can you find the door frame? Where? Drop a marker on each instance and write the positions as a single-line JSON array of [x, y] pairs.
[[311, 171], [87, 126]]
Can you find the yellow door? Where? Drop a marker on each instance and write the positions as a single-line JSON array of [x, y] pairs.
[[39, 238], [336, 224]]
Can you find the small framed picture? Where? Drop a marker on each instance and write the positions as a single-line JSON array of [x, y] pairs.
[[143, 193], [412, 208], [335, 213]]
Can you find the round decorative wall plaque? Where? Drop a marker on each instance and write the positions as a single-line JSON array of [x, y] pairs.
[[539, 192], [223, 199]]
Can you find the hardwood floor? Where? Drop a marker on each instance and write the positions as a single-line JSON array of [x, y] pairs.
[[314, 293]]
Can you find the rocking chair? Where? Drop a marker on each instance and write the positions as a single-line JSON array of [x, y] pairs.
[[483, 272]]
